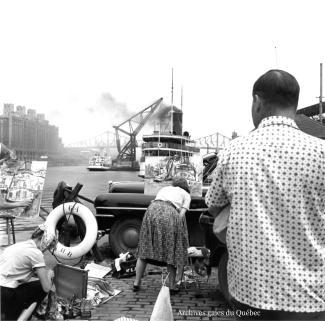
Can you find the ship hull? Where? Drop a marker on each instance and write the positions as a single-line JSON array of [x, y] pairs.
[[124, 169], [98, 168]]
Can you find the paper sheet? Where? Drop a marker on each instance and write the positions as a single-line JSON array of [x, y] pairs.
[[96, 270]]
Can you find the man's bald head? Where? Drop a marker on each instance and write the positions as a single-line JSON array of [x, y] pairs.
[[278, 88], [276, 93]]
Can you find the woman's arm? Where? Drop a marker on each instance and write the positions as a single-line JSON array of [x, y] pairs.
[[46, 278], [182, 211], [8, 205], [186, 204]]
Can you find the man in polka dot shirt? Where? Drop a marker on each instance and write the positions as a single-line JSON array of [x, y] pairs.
[[274, 179]]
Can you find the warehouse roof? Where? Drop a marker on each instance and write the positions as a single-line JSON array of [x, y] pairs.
[[312, 110], [310, 126]]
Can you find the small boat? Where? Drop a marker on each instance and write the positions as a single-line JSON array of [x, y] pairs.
[[99, 163]]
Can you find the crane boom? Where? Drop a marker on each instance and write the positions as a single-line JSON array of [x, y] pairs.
[[128, 152]]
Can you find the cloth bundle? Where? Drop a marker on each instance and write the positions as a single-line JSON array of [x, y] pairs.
[[221, 223], [124, 266], [162, 310]]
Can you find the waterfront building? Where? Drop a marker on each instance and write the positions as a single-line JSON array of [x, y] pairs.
[[29, 134], [21, 110], [8, 109]]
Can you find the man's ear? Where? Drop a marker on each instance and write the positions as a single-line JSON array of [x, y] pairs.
[[257, 110], [257, 103]]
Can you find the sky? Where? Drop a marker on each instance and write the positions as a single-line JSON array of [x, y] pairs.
[[89, 65]]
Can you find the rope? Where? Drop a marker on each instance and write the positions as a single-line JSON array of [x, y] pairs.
[[162, 279]]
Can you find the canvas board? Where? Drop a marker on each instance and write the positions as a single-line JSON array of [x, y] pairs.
[[70, 281], [22, 181], [159, 172]]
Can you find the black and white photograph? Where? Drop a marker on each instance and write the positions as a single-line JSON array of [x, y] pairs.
[[162, 160]]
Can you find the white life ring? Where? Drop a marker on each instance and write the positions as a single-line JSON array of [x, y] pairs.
[[159, 145], [90, 222]]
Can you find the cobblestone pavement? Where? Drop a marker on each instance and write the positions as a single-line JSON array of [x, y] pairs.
[[186, 305]]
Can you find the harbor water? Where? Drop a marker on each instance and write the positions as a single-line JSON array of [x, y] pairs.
[[94, 183]]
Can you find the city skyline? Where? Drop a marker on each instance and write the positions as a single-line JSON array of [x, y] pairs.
[[19, 110], [89, 66]]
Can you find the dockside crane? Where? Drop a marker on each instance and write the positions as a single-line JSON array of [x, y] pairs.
[[128, 152]]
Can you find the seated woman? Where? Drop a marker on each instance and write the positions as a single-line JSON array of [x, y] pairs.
[[164, 236], [18, 264]]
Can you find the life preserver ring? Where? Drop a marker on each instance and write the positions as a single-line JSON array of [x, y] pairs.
[[90, 222], [159, 145]]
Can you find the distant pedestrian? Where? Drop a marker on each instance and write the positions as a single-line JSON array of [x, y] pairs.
[[273, 179], [164, 236], [18, 264]]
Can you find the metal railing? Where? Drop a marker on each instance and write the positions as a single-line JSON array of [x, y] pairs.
[[170, 146]]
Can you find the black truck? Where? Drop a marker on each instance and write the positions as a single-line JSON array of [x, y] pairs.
[[120, 211], [119, 214]]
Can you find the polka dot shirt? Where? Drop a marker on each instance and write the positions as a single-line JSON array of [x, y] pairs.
[[274, 179]]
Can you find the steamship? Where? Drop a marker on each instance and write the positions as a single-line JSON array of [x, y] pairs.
[[168, 141], [99, 163]]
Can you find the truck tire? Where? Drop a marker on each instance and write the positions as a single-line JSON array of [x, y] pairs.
[[124, 235], [222, 276]]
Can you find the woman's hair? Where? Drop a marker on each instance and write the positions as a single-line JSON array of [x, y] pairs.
[[47, 239], [37, 234], [182, 183]]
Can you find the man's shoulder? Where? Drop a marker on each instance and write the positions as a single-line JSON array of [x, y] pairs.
[[256, 137], [313, 146], [311, 139], [260, 134], [235, 143]]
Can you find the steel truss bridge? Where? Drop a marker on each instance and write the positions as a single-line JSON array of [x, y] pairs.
[[107, 141], [212, 142]]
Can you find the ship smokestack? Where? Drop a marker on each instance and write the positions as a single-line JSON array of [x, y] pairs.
[[177, 122]]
